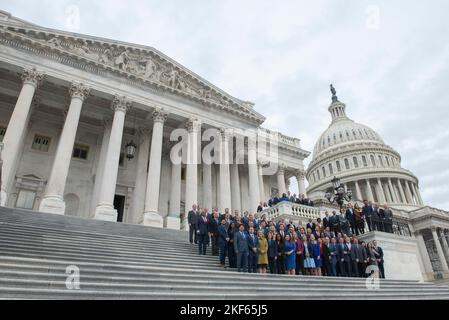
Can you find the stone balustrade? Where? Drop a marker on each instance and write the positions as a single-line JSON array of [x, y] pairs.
[[292, 211]]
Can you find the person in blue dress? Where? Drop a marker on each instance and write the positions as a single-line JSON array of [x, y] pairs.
[[290, 256], [309, 263]]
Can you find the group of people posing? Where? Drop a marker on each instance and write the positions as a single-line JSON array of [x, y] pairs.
[[274, 200], [255, 244]]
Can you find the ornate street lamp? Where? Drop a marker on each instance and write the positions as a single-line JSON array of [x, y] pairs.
[[131, 146], [340, 194]]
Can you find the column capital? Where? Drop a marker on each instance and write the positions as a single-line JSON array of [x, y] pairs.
[[32, 76], [281, 168], [193, 125], [300, 174], [159, 115], [79, 90], [225, 133], [120, 103]]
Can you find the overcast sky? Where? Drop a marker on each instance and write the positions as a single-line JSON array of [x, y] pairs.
[[388, 60]]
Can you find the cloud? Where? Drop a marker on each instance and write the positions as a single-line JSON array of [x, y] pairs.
[[282, 56]]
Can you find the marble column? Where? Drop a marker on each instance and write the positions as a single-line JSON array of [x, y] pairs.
[[417, 195], [151, 216], [358, 193], [13, 139], [173, 219], [207, 186], [387, 193], [393, 191], [424, 253], [143, 155], [381, 193], [440, 251], [300, 178], [193, 126], [225, 178], [235, 188], [369, 191], [53, 200], [444, 244], [401, 191], [105, 207], [281, 180], [253, 174], [261, 185], [409, 193]]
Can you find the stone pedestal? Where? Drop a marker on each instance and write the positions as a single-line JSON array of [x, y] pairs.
[[152, 219], [173, 223], [52, 204], [106, 213]]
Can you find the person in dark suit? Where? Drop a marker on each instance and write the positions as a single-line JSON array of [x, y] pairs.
[[202, 230], [379, 253], [333, 257], [326, 258], [334, 222], [214, 222], [272, 253], [280, 266], [241, 249], [192, 218], [358, 257], [253, 243], [232, 258], [344, 260], [326, 222], [388, 219], [223, 240], [367, 212], [375, 218], [350, 217], [310, 225]]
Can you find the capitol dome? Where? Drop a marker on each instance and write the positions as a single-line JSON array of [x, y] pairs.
[[362, 160]]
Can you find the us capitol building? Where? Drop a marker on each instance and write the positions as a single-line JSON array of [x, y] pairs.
[[74, 108]]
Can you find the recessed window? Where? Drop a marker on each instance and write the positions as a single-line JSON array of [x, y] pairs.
[[41, 143], [356, 163], [365, 163], [381, 162], [388, 161], [318, 174], [25, 199], [324, 171], [373, 162], [347, 164], [80, 151], [2, 133], [338, 166], [331, 170], [121, 161]]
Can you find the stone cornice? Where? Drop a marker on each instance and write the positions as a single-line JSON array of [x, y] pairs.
[[140, 64]]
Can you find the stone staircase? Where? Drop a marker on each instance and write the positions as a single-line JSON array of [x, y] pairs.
[[121, 261]]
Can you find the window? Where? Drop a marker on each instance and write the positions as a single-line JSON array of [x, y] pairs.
[[324, 171], [80, 151], [356, 163], [331, 170], [121, 161], [388, 161], [373, 162], [347, 164], [318, 174], [41, 143], [365, 163], [2, 133], [338, 166], [381, 162], [25, 199]]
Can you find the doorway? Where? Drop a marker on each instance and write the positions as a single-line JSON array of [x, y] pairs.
[[119, 205]]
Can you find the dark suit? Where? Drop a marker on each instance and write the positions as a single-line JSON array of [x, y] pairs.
[[253, 243], [222, 242], [213, 229], [375, 219], [272, 255], [192, 218], [202, 229], [367, 212], [358, 253], [379, 253], [326, 223], [344, 260], [326, 261], [351, 219], [334, 222], [388, 220], [241, 248], [333, 259]]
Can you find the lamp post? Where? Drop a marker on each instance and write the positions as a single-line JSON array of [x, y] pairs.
[[339, 194]]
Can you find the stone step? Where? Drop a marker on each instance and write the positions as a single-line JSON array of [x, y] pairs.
[[199, 282], [55, 294]]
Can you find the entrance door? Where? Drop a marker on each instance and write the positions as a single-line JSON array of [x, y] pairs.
[[119, 205]]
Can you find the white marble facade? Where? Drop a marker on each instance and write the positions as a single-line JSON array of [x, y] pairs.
[[69, 105]]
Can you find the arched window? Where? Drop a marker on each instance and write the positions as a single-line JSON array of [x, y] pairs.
[[324, 171], [388, 161], [380, 161], [356, 163], [318, 174], [373, 162], [365, 163], [331, 170], [338, 166], [347, 164]]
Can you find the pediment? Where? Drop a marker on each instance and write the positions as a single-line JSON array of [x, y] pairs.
[[141, 64]]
